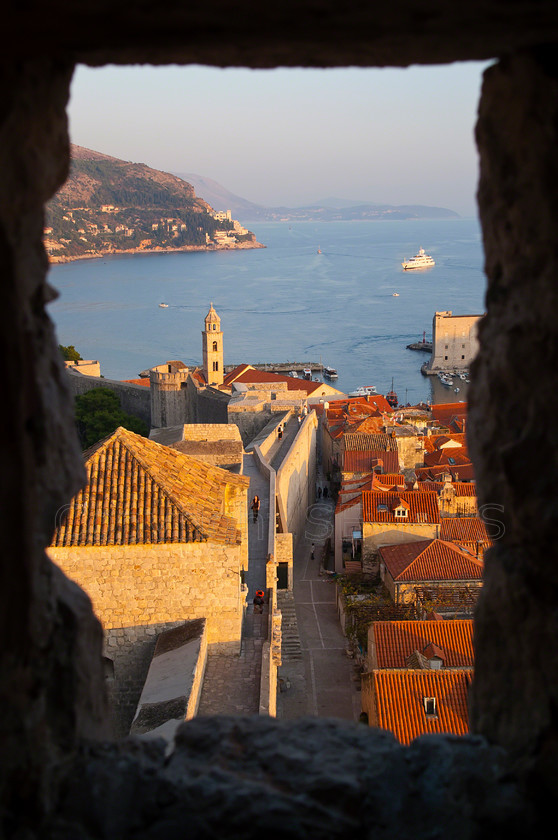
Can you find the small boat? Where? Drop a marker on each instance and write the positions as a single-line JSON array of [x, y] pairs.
[[363, 391], [395, 294], [294, 373], [307, 373], [391, 397], [420, 260], [330, 372], [319, 251], [164, 305]]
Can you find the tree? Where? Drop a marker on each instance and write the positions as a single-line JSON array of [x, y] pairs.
[[70, 353], [98, 414]]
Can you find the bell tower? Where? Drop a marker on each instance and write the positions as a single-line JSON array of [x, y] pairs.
[[212, 340]]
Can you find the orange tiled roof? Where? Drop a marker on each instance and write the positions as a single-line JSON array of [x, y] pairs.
[[394, 641], [140, 492], [367, 440], [465, 529], [462, 488], [423, 507], [446, 412], [452, 457], [251, 376], [399, 702], [430, 560], [358, 461], [458, 472], [145, 381]]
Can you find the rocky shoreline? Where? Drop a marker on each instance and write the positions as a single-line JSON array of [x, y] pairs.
[[240, 246]]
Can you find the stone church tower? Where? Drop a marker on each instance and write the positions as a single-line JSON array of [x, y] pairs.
[[212, 339]]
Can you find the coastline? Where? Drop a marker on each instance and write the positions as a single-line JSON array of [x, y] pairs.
[[240, 246]]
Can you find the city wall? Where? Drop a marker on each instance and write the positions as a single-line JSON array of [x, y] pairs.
[[296, 478], [134, 399]]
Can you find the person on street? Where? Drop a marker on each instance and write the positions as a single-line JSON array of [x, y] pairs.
[[255, 507], [259, 601]]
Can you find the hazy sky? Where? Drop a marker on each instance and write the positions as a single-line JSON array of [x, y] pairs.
[[293, 136]]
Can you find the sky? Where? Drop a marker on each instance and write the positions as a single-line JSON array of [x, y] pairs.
[[293, 136]]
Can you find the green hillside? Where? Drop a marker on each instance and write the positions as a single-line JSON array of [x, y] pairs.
[[113, 206]]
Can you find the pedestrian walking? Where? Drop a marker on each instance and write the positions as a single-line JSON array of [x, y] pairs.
[[255, 507], [319, 492], [325, 492], [299, 418], [312, 554], [279, 431], [259, 601]]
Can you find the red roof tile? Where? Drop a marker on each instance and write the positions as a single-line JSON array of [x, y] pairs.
[[379, 507], [464, 529], [358, 461], [394, 641], [399, 701], [430, 560]]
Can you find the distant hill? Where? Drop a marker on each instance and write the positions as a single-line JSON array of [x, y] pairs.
[[109, 206], [327, 210]]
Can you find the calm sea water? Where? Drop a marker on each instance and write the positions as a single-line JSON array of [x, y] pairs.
[[284, 303]]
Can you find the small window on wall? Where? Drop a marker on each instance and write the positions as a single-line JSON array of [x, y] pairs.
[[215, 365], [214, 326], [214, 346]]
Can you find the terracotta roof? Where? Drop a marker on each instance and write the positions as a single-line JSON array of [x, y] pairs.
[[452, 457], [464, 529], [394, 641], [446, 412], [365, 440], [400, 708], [140, 492], [462, 488], [430, 560], [252, 376], [434, 441], [458, 472], [146, 382], [423, 507], [232, 375], [359, 461]]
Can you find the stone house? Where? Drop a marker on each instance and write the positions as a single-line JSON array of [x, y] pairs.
[[390, 518], [427, 563], [155, 538], [455, 498]]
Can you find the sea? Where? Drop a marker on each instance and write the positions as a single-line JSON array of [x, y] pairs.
[[321, 292]]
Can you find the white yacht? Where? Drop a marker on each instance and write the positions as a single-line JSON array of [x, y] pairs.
[[420, 260], [164, 305]]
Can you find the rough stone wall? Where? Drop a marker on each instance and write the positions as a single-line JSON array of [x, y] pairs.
[[455, 342], [134, 399], [512, 400], [134, 586], [296, 478]]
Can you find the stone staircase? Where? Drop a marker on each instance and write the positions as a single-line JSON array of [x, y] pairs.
[[290, 640]]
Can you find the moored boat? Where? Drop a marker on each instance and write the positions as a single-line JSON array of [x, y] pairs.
[[164, 305], [420, 260], [330, 372]]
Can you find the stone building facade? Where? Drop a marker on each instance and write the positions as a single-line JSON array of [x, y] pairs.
[[454, 342], [155, 538]]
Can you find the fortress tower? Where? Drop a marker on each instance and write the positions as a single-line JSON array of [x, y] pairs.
[[212, 339]]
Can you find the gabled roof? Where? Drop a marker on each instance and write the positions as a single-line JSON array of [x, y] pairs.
[[430, 560], [359, 461], [140, 492], [462, 488], [459, 472], [368, 440], [423, 507], [251, 376], [394, 641], [464, 529], [452, 457], [399, 700]]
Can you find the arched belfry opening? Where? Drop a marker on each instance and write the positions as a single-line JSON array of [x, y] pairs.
[[58, 776]]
